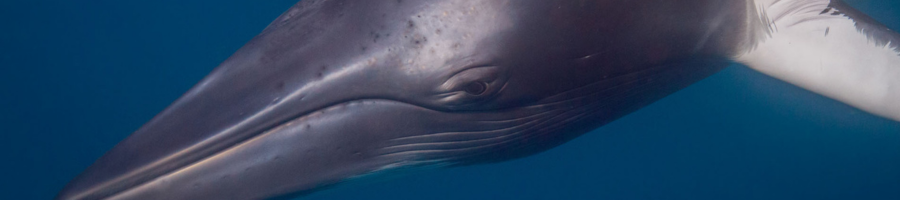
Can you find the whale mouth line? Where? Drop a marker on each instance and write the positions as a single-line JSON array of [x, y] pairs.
[[189, 156], [209, 148]]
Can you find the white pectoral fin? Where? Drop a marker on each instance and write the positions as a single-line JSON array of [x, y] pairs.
[[817, 45]]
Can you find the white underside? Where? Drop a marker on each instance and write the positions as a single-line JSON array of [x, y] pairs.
[[828, 55]]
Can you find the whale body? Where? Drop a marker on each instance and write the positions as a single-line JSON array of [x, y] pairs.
[[335, 90]]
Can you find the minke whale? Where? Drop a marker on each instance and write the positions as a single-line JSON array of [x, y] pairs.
[[335, 90]]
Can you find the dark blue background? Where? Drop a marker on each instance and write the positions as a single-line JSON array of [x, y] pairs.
[[76, 77]]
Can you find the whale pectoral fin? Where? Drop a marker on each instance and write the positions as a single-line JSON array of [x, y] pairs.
[[831, 49]]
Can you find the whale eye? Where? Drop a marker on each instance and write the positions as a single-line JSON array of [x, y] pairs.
[[476, 88], [471, 86]]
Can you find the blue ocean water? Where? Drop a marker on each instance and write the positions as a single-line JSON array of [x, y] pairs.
[[76, 77]]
